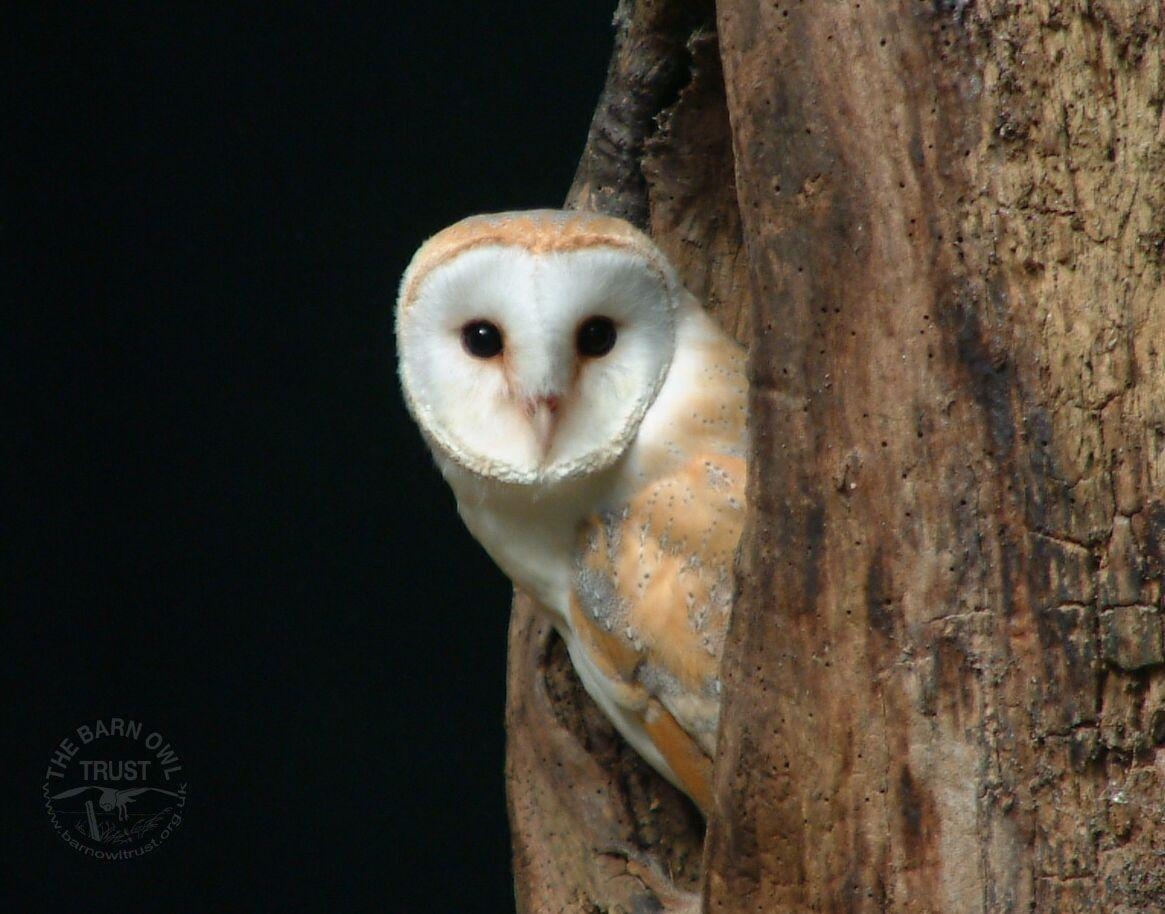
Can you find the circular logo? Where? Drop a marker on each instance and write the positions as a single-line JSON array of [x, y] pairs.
[[114, 789]]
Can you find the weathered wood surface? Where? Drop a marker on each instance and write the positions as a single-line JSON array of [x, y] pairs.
[[944, 224]]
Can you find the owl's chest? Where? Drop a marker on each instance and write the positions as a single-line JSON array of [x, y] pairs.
[[536, 545], [535, 553], [532, 536]]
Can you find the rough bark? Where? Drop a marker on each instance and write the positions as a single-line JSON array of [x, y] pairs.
[[941, 228]]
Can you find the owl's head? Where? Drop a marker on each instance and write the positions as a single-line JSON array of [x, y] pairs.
[[532, 343]]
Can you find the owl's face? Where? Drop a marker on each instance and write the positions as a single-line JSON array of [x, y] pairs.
[[531, 344]]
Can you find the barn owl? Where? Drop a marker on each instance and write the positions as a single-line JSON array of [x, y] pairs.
[[591, 421]]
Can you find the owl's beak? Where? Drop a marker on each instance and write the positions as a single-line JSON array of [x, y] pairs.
[[543, 413]]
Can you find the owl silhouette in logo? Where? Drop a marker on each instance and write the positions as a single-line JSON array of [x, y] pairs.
[[111, 798]]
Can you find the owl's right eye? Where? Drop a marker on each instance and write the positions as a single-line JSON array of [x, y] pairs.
[[481, 339]]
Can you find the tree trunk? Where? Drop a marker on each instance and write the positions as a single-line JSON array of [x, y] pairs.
[[944, 223]]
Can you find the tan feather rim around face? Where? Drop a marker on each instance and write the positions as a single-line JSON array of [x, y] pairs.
[[538, 231]]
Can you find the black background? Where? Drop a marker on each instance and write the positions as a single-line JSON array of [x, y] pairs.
[[219, 519]]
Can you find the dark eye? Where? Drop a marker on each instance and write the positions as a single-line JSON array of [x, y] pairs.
[[481, 339], [596, 337]]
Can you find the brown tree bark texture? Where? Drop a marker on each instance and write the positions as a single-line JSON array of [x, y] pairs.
[[941, 228]]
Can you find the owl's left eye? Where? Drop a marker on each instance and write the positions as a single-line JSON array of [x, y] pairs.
[[596, 337], [482, 339]]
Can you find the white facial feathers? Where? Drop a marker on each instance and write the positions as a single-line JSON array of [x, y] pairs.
[[553, 400]]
